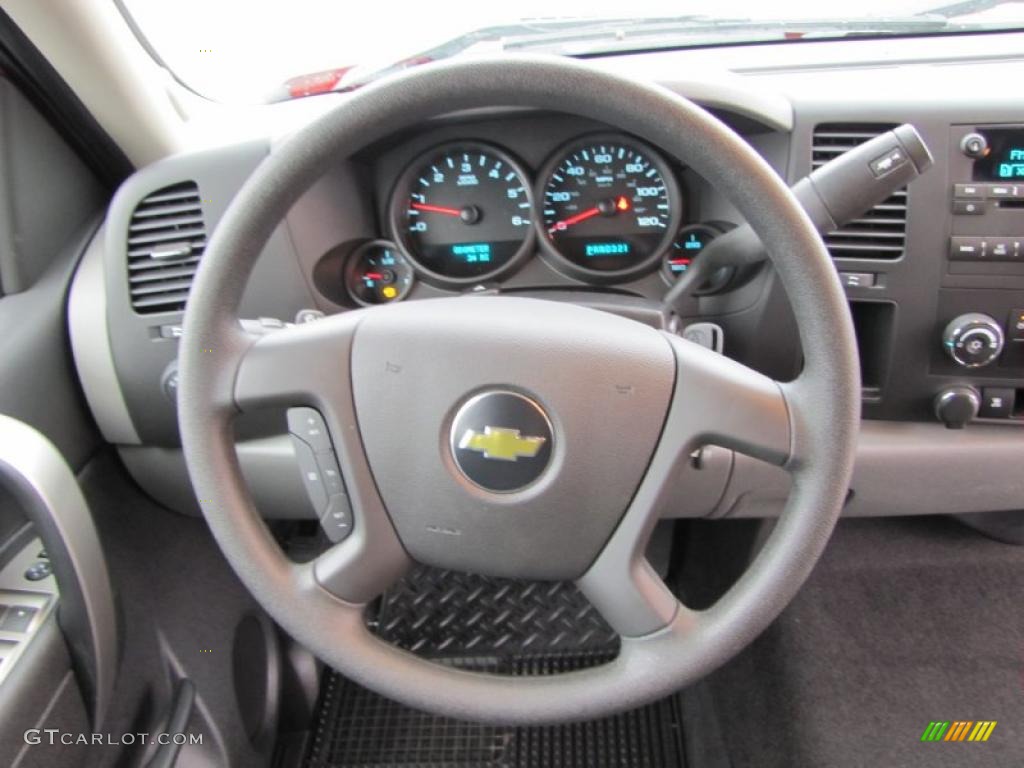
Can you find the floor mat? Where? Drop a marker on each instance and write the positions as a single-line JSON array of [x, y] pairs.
[[902, 623], [499, 626]]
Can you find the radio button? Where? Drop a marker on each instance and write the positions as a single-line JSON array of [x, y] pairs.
[[1000, 249], [971, 191], [969, 207], [1004, 191], [966, 248]]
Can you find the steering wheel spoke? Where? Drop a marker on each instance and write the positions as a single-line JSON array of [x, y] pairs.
[[719, 401], [716, 401], [309, 365]]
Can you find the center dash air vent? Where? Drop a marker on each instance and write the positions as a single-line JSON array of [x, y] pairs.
[[166, 239], [881, 232]]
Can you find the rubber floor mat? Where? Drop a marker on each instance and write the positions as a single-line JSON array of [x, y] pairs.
[[500, 626], [359, 729]]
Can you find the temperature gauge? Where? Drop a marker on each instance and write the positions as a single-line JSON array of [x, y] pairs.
[[377, 273]]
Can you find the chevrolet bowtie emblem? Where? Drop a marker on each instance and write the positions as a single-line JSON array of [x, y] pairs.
[[500, 443]]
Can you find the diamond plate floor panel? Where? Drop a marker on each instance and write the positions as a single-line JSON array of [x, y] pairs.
[[500, 626]]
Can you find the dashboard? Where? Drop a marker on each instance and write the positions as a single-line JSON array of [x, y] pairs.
[[561, 207]]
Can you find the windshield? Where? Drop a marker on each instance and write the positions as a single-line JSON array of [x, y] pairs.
[[265, 51]]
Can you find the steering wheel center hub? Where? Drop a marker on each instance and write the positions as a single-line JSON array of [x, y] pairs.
[[501, 441], [519, 428]]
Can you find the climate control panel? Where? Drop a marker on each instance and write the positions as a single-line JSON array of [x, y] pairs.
[[973, 340]]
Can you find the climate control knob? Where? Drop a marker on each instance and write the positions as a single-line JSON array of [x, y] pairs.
[[957, 406], [973, 340]]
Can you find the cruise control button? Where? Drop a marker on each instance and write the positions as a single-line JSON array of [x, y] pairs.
[[996, 402], [966, 248], [17, 618], [308, 425], [311, 476], [337, 519]]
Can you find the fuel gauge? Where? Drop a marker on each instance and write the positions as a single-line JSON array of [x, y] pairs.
[[377, 273], [687, 247]]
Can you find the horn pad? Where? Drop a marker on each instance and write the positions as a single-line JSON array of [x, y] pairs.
[[507, 436]]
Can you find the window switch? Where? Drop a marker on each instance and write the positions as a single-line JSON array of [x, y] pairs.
[[17, 618]]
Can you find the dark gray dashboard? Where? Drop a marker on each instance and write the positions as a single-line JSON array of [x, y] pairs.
[[903, 285]]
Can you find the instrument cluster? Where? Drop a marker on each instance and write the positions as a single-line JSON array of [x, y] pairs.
[[603, 208]]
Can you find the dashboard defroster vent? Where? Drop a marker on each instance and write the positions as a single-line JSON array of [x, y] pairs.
[[881, 232], [166, 239]]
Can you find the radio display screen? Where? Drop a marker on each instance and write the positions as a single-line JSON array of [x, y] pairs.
[[1005, 159]]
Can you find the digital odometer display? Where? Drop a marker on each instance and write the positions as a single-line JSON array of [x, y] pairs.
[[463, 212], [609, 206]]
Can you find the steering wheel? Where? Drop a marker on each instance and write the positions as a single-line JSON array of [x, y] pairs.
[[606, 410]]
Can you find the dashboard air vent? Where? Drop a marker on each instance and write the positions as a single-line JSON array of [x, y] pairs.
[[166, 238], [881, 232]]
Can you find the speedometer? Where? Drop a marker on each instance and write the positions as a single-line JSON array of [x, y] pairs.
[[609, 207], [463, 212]]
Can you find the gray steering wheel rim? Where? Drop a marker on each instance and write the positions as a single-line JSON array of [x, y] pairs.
[[824, 400]]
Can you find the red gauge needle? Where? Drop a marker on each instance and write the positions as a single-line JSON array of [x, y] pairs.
[[605, 207], [582, 216], [436, 209], [373, 276]]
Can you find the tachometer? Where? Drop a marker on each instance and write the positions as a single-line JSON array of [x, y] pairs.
[[609, 207], [463, 212]]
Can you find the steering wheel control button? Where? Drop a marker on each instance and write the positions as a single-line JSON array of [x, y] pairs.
[[501, 441], [330, 473], [311, 476], [308, 425], [337, 518]]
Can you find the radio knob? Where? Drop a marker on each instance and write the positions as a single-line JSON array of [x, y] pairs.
[[973, 340], [974, 145], [956, 406]]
